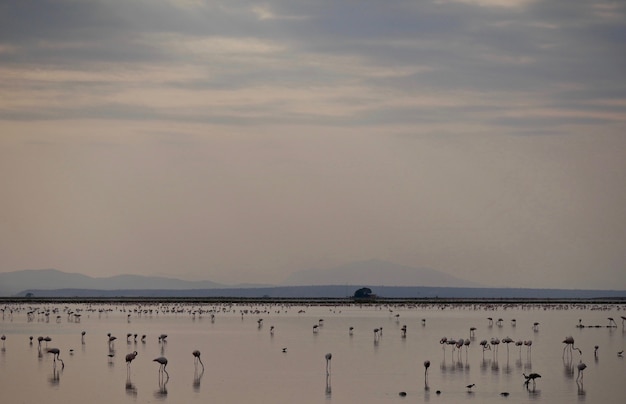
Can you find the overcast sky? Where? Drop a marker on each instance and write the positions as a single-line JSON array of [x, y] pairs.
[[240, 141]]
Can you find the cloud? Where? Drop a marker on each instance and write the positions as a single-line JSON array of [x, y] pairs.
[[462, 135]]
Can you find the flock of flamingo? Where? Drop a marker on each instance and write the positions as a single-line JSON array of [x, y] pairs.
[[458, 346]]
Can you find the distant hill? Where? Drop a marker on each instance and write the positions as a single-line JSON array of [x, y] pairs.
[[376, 272], [14, 282], [372, 272]]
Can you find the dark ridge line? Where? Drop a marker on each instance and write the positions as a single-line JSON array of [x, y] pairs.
[[317, 301]]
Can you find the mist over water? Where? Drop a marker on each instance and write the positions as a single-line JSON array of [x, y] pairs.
[[277, 353]]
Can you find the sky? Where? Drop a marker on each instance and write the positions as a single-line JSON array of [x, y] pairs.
[[241, 141]]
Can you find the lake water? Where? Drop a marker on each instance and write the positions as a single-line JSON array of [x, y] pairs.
[[244, 361]]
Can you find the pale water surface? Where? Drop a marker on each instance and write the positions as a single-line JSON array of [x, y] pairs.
[[245, 362]]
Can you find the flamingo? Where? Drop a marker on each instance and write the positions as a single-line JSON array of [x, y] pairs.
[[129, 358], [403, 330], [459, 346], [196, 358], [507, 340], [530, 377], [162, 360], [529, 346], [112, 339], [426, 366], [485, 346], [581, 366], [328, 357], [495, 342], [569, 343], [611, 322], [595, 351], [55, 352]]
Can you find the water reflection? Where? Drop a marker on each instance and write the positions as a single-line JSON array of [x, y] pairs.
[[484, 365], [197, 377], [130, 387], [161, 393], [533, 393], [568, 368], [581, 391], [55, 378], [507, 368]]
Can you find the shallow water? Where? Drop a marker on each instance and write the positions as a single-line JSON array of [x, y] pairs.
[[245, 362]]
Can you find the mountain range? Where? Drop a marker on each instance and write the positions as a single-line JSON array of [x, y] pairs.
[[379, 273], [371, 273], [48, 279]]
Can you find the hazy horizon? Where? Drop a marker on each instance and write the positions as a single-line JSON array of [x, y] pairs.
[[240, 142]]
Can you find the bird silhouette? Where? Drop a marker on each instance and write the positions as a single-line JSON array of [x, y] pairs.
[[581, 366], [55, 352], [196, 358], [129, 358], [530, 377], [328, 357], [163, 363]]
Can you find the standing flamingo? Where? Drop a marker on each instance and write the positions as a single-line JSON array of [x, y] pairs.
[[426, 366], [507, 340], [129, 358], [162, 360], [55, 352], [569, 343], [529, 346], [485, 346], [581, 366], [196, 358], [329, 356]]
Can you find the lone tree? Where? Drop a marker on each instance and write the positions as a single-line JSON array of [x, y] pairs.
[[363, 293]]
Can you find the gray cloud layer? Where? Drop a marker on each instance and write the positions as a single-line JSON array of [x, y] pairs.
[[241, 141]]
